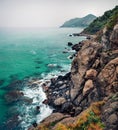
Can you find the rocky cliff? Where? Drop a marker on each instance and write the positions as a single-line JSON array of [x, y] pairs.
[[86, 98]]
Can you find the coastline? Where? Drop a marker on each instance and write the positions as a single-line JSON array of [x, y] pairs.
[[86, 90]]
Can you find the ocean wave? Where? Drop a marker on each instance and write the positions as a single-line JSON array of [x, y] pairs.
[[28, 113]]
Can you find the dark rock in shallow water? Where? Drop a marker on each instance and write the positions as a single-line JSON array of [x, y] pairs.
[[45, 101], [70, 35], [2, 82], [13, 77], [37, 67], [38, 62], [77, 47], [76, 34], [70, 44], [13, 96], [26, 100], [12, 123], [34, 124], [65, 77], [14, 85]]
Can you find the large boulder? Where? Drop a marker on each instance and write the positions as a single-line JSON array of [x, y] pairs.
[[91, 73], [59, 101], [88, 86]]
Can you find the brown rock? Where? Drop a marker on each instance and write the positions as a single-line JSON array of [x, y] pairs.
[[108, 76], [80, 64], [97, 62], [114, 38], [113, 119], [65, 121], [52, 120], [88, 85], [91, 73], [59, 101]]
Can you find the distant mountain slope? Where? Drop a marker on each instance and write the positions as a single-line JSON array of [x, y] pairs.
[[100, 22], [79, 22]]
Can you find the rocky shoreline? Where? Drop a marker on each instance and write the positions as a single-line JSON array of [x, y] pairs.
[[90, 86], [84, 98]]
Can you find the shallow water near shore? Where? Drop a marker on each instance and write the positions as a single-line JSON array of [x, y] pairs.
[[31, 53]]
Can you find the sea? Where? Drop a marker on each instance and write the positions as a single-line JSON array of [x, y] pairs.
[[27, 53]]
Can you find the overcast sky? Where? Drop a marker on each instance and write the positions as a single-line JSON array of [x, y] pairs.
[[45, 13]]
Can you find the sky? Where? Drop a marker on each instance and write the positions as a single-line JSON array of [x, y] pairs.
[[49, 13]]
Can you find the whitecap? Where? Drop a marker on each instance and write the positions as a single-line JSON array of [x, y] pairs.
[[27, 112]]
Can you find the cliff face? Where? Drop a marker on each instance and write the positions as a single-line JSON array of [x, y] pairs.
[[87, 97], [109, 39]]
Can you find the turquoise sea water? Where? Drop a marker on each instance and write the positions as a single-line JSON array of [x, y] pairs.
[[32, 53]]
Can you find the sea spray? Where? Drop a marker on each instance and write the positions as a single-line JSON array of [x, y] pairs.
[[28, 113]]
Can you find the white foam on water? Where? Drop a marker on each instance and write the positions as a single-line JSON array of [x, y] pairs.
[[28, 113]]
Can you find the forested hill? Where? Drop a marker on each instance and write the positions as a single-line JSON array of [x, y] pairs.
[[79, 22], [109, 19]]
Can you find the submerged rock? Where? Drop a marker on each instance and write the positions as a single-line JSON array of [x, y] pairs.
[[13, 96]]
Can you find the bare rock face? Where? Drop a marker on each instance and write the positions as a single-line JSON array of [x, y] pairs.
[[81, 63], [110, 113], [108, 77], [59, 101], [114, 38], [91, 73], [88, 86], [110, 38]]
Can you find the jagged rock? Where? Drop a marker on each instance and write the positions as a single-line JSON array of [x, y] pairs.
[[110, 112], [81, 63], [59, 101], [91, 73], [108, 76], [96, 63], [77, 47], [67, 107], [114, 38], [112, 119], [88, 86]]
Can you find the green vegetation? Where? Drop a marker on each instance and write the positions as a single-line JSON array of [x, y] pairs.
[[79, 22], [109, 19], [87, 120]]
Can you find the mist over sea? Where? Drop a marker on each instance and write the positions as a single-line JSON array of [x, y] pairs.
[[31, 53]]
